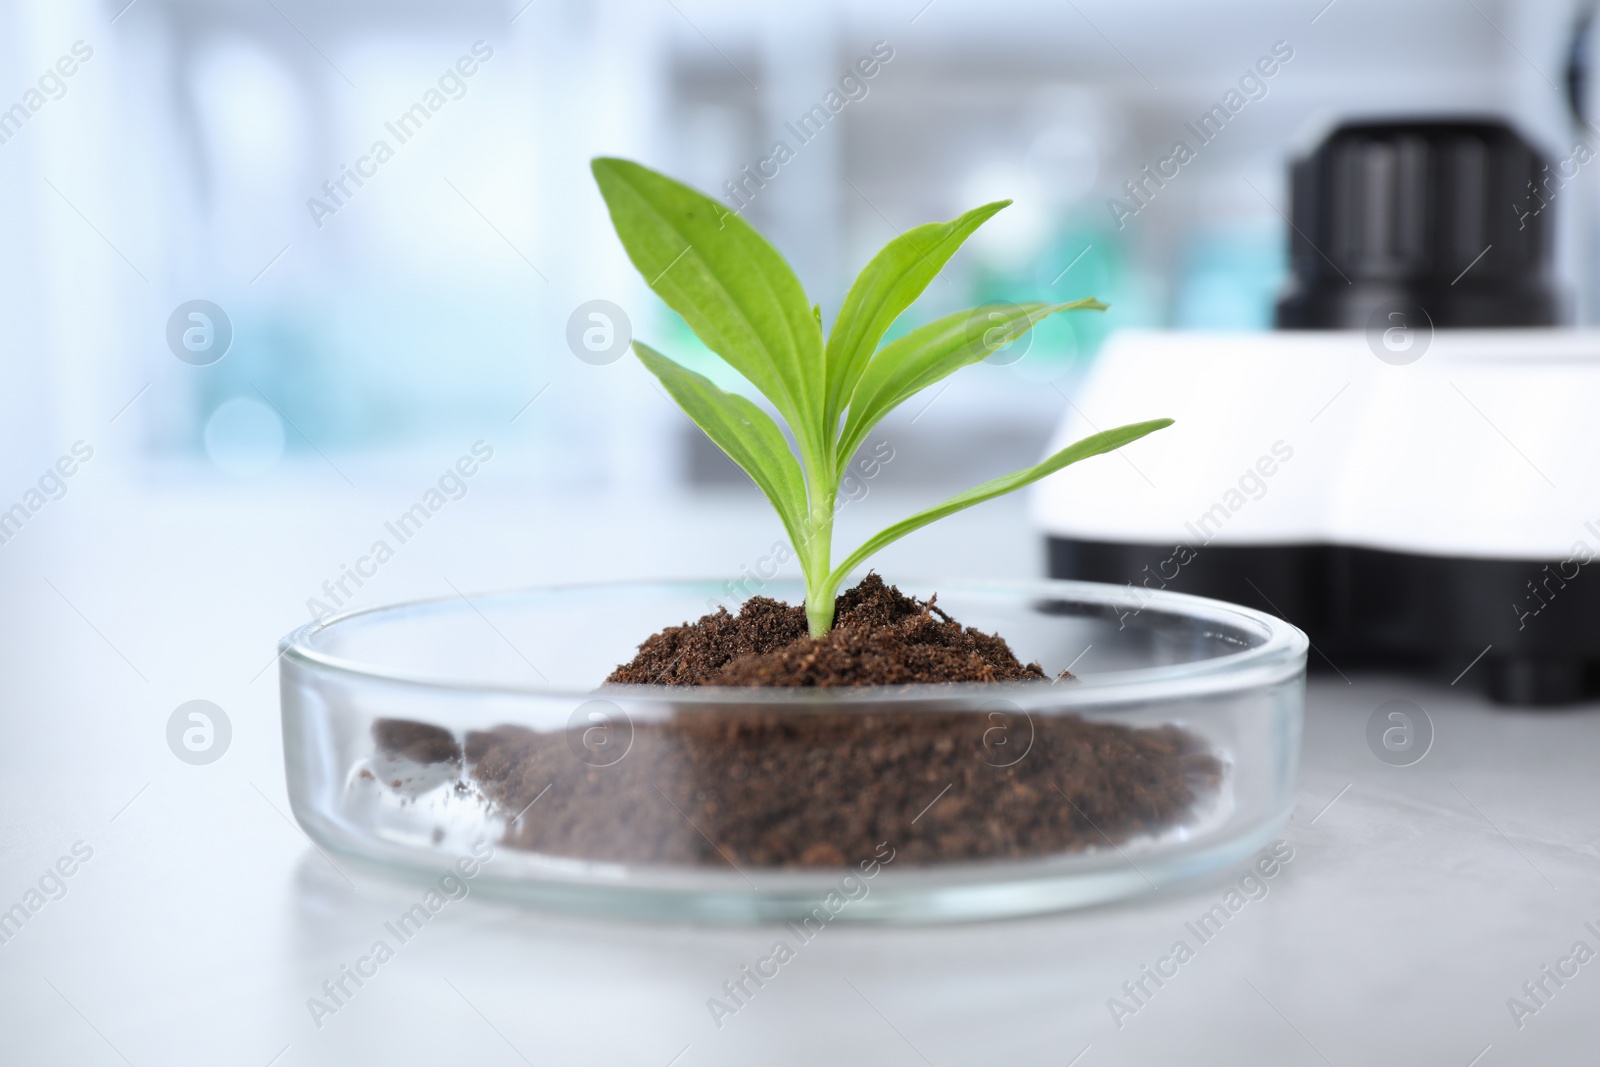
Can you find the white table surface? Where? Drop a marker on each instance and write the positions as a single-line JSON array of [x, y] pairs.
[[1415, 905]]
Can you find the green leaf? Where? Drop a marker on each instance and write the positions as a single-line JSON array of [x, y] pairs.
[[732, 287], [885, 287], [1093, 445], [931, 353], [745, 432]]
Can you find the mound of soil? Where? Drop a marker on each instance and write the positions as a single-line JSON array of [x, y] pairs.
[[879, 637]]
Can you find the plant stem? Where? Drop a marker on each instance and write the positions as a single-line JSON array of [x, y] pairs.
[[815, 557], [819, 621]]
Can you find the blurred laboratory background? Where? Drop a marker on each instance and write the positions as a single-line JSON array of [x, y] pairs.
[[206, 149], [273, 270]]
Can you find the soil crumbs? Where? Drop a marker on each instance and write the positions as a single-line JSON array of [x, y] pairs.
[[757, 787]]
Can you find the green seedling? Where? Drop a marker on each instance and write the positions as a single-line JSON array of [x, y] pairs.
[[740, 297]]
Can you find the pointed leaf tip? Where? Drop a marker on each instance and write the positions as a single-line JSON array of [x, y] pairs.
[[886, 286]]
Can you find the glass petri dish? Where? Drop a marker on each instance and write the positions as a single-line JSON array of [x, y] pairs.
[[476, 734]]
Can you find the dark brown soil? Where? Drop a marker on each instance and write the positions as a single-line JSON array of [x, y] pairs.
[[758, 787], [762, 789], [416, 741], [879, 637]]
